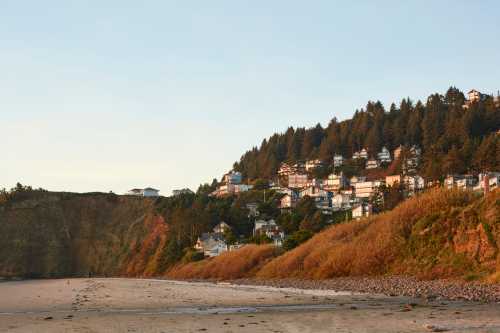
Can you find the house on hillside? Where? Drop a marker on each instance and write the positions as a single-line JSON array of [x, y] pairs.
[[412, 160], [232, 177], [397, 152], [362, 210], [474, 96], [231, 185], [338, 160], [285, 169], [487, 181], [144, 192], [320, 196], [393, 180], [341, 201], [363, 153], [288, 201], [335, 182], [252, 209], [367, 189], [372, 164], [315, 182], [221, 228], [313, 164], [297, 180], [414, 183], [463, 182], [384, 156], [356, 179], [230, 189], [211, 244], [270, 229]]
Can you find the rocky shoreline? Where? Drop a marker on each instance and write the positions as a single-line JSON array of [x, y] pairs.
[[393, 286]]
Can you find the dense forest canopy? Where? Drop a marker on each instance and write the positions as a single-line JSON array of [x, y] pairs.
[[453, 139]]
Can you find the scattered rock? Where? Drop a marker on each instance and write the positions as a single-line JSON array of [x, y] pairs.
[[434, 328]]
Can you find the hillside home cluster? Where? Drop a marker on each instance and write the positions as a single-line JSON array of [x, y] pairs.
[[213, 244], [484, 182], [356, 194], [231, 184]]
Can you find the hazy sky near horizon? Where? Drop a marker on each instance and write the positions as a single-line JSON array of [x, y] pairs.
[[112, 95]]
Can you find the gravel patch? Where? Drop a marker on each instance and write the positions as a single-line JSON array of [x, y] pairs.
[[392, 286]]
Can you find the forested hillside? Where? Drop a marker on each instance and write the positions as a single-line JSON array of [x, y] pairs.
[[453, 139]]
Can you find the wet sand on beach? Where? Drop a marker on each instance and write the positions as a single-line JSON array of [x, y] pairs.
[[140, 305]]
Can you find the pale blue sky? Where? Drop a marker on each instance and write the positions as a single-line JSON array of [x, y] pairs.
[[111, 95]]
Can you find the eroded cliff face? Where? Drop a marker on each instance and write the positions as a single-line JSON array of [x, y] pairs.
[[63, 234], [477, 234]]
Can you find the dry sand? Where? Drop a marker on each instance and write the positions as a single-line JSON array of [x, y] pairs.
[[134, 305]]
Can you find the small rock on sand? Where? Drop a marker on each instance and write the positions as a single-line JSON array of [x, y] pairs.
[[434, 328]]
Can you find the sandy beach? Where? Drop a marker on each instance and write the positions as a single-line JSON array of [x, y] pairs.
[[135, 305]]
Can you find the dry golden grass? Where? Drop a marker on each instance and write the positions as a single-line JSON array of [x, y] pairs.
[[371, 246], [229, 265]]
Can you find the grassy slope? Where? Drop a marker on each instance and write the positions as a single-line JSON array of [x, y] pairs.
[[436, 235], [229, 265], [58, 234]]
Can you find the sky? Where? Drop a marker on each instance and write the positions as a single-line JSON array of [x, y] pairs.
[[113, 95]]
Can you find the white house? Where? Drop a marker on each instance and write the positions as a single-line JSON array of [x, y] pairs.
[[363, 153], [488, 181], [384, 156], [475, 96], [372, 164], [341, 201], [414, 183], [316, 182], [144, 192], [297, 180], [460, 181], [367, 189], [362, 210], [313, 164], [211, 244], [338, 160], [335, 182], [230, 189], [270, 229]]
